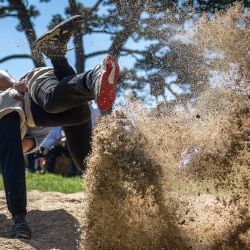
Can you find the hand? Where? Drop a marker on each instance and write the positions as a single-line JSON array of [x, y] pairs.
[[21, 86]]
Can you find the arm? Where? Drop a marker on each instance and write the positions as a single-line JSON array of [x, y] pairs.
[[6, 81], [28, 144]]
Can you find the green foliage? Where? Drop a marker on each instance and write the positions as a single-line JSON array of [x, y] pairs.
[[32, 12], [56, 19], [168, 66], [213, 5], [142, 20], [52, 183]]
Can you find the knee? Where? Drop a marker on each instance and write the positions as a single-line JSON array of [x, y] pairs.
[[84, 114], [86, 120]]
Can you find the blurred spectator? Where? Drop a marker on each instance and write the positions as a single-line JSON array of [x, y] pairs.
[[55, 150], [53, 147], [39, 161]]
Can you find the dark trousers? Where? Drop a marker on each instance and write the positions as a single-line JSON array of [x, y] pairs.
[[64, 103], [53, 153], [12, 163], [31, 162], [60, 103]]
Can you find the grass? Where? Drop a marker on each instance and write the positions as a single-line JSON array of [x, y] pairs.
[[52, 183], [58, 183]]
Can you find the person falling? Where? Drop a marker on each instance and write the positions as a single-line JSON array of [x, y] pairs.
[[44, 98]]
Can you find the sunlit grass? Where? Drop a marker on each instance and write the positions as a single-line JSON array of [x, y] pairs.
[[52, 183]]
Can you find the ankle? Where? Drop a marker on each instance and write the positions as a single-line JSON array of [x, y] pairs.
[[18, 218], [89, 82], [58, 59]]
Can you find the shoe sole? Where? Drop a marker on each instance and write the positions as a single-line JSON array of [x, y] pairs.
[[109, 78], [57, 29], [20, 235]]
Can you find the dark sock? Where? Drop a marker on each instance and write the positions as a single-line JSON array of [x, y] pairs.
[[62, 68], [89, 81]]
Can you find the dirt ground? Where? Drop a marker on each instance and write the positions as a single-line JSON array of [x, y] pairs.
[[57, 223], [54, 220]]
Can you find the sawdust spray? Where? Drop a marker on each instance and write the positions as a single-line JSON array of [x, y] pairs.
[[177, 180]]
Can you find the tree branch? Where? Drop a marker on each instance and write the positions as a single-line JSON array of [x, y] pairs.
[[134, 51], [103, 32], [96, 6], [6, 11], [78, 36], [78, 40], [128, 51], [171, 91], [97, 53], [15, 56], [130, 26], [7, 15], [8, 8], [27, 27]]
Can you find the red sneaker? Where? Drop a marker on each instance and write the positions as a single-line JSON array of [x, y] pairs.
[[105, 77]]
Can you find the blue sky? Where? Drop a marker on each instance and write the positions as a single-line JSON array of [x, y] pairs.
[[14, 42]]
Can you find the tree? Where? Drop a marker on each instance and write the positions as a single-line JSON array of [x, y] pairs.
[[164, 63], [171, 67], [17, 8], [212, 5]]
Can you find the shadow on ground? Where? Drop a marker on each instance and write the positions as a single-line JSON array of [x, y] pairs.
[[55, 229]]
